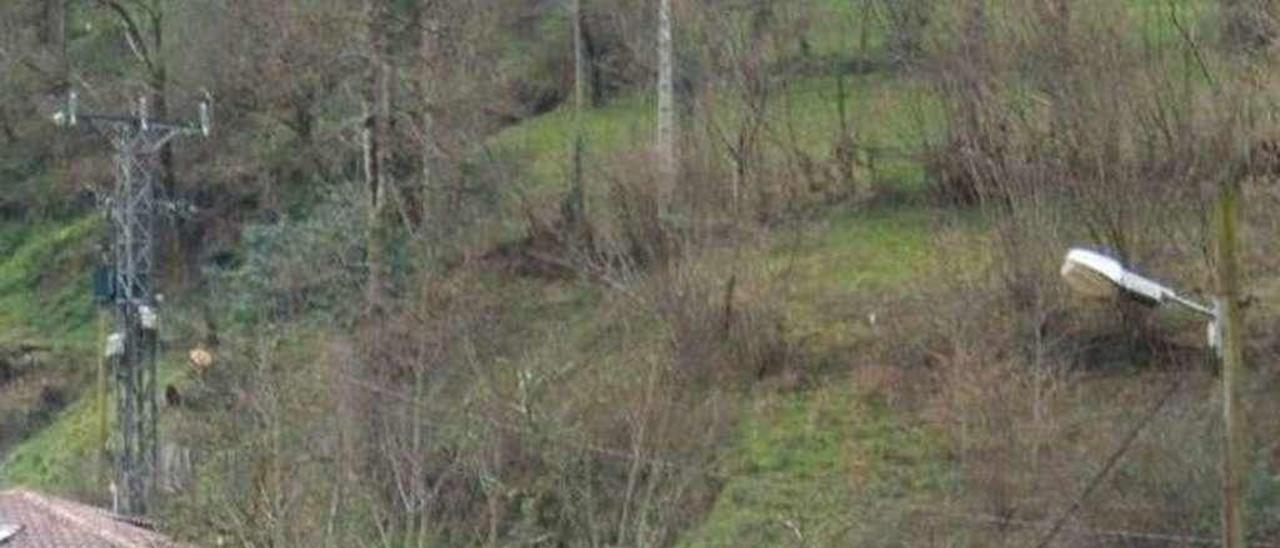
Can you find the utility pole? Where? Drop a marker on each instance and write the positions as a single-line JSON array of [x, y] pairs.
[[131, 210], [1230, 325]]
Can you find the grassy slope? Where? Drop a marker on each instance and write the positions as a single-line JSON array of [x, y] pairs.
[[817, 463], [886, 113], [44, 299], [829, 465], [43, 294], [790, 444]]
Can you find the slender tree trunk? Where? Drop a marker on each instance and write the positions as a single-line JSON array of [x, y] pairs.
[[371, 430], [428, 90], [377, 110], [55, 41], [159, 83], [666, 107], [591, 48], [576, 207]]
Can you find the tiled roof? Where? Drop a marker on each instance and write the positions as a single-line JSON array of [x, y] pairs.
[[48, 522]]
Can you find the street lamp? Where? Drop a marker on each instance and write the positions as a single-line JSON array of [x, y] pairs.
[[1097, 275]]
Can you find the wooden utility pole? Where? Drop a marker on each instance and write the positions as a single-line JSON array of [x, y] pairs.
[[1230, 318]]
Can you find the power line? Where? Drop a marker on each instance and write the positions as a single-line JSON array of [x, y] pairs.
[[988, 519], [1111, 461]]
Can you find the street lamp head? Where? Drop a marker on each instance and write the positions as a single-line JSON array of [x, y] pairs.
[[1097, 275], [1092, 274]]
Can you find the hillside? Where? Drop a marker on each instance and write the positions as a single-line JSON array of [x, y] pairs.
[[844, 326]]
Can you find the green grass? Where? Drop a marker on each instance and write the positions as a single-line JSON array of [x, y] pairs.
[[543, 144], [887, 114], [44, 282], [45, 299], [857, 250], [831, 466], [61, 458], [834, 464], [837, 272], [815, 458]]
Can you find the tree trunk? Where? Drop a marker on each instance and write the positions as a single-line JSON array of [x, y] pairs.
[[591, 47], [370, 435], [666, 107], [377, 109], [575, 208], [159, 83], [428, 91]]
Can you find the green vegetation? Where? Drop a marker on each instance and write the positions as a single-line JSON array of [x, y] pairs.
[[45, 304], [825, 466], [892, 117], [59, 458], [833, 332], [44, 281]]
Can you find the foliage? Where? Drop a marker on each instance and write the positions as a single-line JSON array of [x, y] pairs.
[[847, 330]]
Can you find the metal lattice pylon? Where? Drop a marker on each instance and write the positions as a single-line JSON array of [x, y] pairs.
[[131, 210]]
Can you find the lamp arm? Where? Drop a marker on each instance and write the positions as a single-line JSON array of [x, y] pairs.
[[1193, 306]]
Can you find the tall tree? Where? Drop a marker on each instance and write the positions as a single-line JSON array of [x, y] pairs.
[[430, 74], [143, 24], [377, 108], [666, 105]]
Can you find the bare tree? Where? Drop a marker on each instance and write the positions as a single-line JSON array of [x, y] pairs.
[[143, 23], [1249, 25], [431, 67], [377, 105]]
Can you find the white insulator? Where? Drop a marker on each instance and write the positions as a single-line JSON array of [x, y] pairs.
[[115, 345], [147, 315]]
